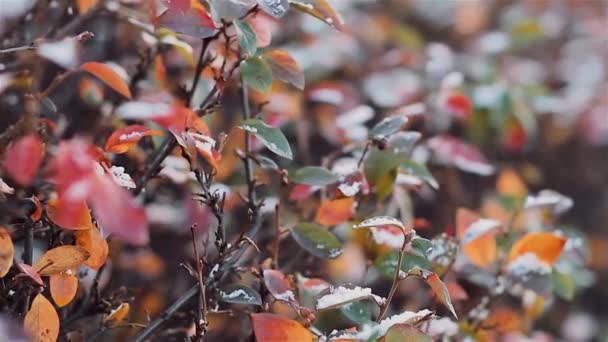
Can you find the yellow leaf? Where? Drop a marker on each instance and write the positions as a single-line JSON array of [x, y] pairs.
[[61, 259], [41, 321], [510, 184], [7, 251], [117, 315], [63, 286]]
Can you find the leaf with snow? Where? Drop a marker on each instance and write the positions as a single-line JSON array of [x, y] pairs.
[[317, 240], [406, 333], [403, 142], [421, 246], [388, 126], [278, 285], [376, 331], [380, 221], [314, 175], [340, 296], [271, 137], [358, 312], [386, 263], [63, 53], [320, 9], [449, 150], [419, 171], [240, 294], [276, 8], [549, 199]]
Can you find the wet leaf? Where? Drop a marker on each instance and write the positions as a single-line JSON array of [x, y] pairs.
[[108, 76], [125, 138], [334, 212], [271, 137], [63, 287], [240, 294], [284, 68], [246, 37], [7, 251], [314, 175], [41, 321], [269, 327], [257, 74], [320, 9], [23, 158], [317, 240], [60, 259]]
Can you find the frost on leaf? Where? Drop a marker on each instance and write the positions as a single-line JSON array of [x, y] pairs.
[[342, 295]]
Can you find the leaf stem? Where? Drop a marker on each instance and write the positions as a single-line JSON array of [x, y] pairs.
[[396, 280]]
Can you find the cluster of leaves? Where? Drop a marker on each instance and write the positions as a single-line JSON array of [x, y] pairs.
[[300, 215]]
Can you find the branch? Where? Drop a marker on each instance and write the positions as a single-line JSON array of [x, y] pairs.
[[396, 280], [201, 325]]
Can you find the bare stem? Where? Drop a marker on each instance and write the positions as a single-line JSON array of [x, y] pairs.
[[396, 280], [201, 325], [277, 237]]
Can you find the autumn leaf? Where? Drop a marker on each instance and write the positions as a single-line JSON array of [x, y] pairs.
[[108, 76], [117, 315], [41, 321], [94, 243], [75, 215], [63, 287], [85, 5], [510, 184], [31, 272], [334, 212], [269, 327], [477, 237], [60, 259], [125, 138], [406, 333], [320, 9], [7, 251], [278, 285], [546, 246], [284, 67], [23, 158]]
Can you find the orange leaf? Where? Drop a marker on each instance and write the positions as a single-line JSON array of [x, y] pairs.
[[271, 328], [94, 243], [60, 259], [441, 292], [477, 237], [284, 67], [546, 246], [7, 251], [510, 184], [41, 321], [464, 218], [37, 214], [63, 287], [456, 291], [503, 320], [74, 215], [108, 76], [85, 5], [331, 213], [23, 158], [125, 138], [482, 250]]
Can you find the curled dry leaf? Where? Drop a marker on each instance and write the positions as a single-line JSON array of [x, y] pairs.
[[334, 212], [60, 259], [41, 321], [94, 243], [23, 158], [271, 328], [117, 315], [7, 251], [125, 138], [108, 76], [63, 287], [546, 246]]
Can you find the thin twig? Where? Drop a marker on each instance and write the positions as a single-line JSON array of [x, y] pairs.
[[396, 280], [277, 237], [201, 325], [18, 48]]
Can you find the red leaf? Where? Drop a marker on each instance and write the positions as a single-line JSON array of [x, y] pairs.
[[441, 292], [261, 24], [23, 158], [108, 76], [195, 22], [31, 272], [123, 139], [284, 67], [71, 170], [117, 212], [458, 105], [453, 151], [301, 191]]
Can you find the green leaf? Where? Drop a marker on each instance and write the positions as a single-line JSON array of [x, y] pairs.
[[380, 169], [386, 263], [421, 246], [317, 240], [358, 312], [284, 68], [257, 74], [271, 137], [266, 163], [563, 284], [378, 221], [240, 294], [406, 333], [418, 170], [246, 37], [314, 175], [388, 126]]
